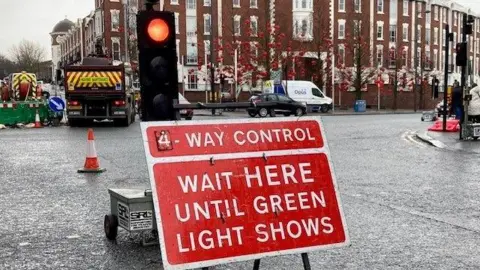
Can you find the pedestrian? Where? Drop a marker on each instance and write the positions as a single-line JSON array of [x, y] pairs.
[[457, 101], [474, 105]]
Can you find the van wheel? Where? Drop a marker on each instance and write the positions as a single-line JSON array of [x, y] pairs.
[[272, 113], [252, 114], [263, 112], [324, 108]]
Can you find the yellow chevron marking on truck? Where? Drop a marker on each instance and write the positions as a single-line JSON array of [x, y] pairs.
[[86, 79], [24, 77]]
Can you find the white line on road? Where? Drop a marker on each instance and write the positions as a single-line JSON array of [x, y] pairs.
[[73, 236]]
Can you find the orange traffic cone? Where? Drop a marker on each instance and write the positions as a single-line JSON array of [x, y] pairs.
[[91, 161], [37, 121]]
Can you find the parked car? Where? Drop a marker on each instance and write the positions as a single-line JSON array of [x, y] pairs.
[[271, 104], [185, 113]]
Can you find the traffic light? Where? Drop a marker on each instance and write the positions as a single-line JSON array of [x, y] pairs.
[[461, 59], [435, 83], [157, 55]]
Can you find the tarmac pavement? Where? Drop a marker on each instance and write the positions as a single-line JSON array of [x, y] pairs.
[[408, 205]]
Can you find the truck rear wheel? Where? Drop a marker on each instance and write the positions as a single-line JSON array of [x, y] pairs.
[[125, 122]]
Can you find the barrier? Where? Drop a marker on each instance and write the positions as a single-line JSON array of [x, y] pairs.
[[23, 112]]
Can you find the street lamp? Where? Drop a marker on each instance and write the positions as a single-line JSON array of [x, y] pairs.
[[415, 64]]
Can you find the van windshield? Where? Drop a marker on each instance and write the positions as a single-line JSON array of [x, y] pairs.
[[316, 92]]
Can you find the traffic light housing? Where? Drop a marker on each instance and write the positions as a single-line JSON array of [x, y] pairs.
[[461, 59], [435, 86], [157, 55]]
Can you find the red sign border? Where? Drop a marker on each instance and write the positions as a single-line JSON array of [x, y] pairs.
[[151, 161]]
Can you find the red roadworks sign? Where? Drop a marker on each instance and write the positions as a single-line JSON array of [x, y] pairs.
[[236, 200]]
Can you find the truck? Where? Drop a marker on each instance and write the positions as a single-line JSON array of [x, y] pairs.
[[98, 89]]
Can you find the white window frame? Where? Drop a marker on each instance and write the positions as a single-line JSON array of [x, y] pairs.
[[177, 23], [207, 3], [341, 32], [116, 40], [419, 9], [253, 3], [178, 51], [192, 85], [237, 19], [380, 29], [381, 3], [253, 21], [236, 3], [405, 5], [341, 53], [341, 5], [174, 2], [435, 36], [405, 32], [191, 60], [379, 52], [435, 13], [207, 18], [191, 4], [114, 12], [357, 6]]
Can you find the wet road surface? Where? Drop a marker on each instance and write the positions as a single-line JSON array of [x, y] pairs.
[[407, 205]]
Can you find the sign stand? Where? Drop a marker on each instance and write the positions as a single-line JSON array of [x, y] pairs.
[[256, 263]]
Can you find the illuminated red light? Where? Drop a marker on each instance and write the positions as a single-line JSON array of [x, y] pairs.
[[158, 30]]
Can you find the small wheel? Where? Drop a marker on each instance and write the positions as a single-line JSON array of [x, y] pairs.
[[298, 112], [286, 114], [475, 138], [272, 113], [422, 119], [252, 114], [324, 108], [110, 226], [263, 112]]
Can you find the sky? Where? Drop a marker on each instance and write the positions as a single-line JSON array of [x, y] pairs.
[[34, 19]]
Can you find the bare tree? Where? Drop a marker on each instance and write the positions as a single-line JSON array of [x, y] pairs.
[[6, 66], [28, 55]]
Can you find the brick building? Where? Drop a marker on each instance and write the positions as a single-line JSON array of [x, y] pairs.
[[388, 27]]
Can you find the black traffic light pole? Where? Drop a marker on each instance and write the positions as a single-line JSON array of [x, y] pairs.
[[463, 60], [448, 38]]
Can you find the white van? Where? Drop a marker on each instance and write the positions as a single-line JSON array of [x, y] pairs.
[[302, 91]]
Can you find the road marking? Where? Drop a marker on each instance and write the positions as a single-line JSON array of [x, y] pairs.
[[73, 236], [409, 136], [24, 244]]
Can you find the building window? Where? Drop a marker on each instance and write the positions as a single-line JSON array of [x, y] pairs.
[[405, 33], [207, 3], [178, 51], [192, 80], [428, 18], [435, 59], [455, 18], [419, 9], [427, 36], [177, 23], [379, 31], [435, 36], [405, 7], [116, 49], [380, 6], [404, 58], [303, 4], [393, 58], [341, 5], [236, 3], [253, 3], [115, 17], [191, 4], [191, 26], [341, 54], [357, 5], [341, 29], [192, 53], [206, 45], [236, 25], [253, 26], [207, 22], [444, 33], [174, 2], [435, 13], [379, 58], [393, 33], [444, 15], [419, 33], [253, 53]]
